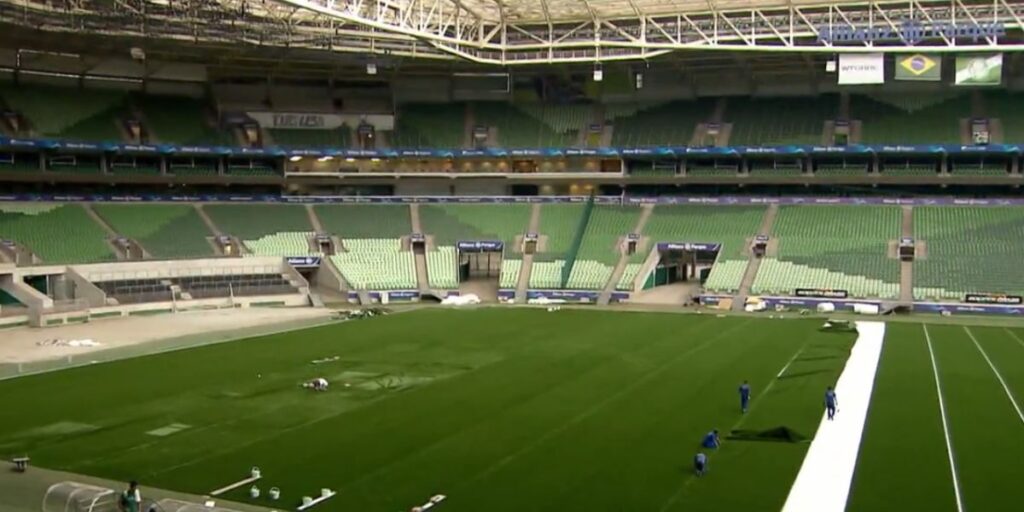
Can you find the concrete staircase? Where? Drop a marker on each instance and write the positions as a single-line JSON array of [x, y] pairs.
[[422, 280], [606, 294], [907, 267], [753, 262], [113, 234], [524, 271], [208, 221], [314, 219]]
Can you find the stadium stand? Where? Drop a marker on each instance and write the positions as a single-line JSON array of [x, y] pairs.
[[730, 226], [338, 138], [516, 129], [597, 256], [165, 231], [702, 169], [427, 125], [968, 250], [179, 120], [841, 169], [451, 223], [288, 243], [909, 169], [980, 169], [668, 124], [372, 258], [563, 119], [55, 233], [771, 121], [546, 274], [839, 247], [376, 264], [442, 268], [510, 269], [255, 221], [910, 118], [1008, 107], [85, 114]]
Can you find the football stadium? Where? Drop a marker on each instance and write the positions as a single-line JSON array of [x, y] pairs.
[[522, 255]]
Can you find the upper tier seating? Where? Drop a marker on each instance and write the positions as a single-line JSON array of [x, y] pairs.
[[772, 121], [429, 125], [450, 223], [164, 230], [179, 120], [517, 129], [968, 250], [55, 233], [1008, 107], [904, 120], [86, 114], [337, 138], [661, 125], [845, 244]]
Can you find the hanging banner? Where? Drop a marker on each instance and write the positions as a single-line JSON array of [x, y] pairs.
[[979, 69], [861, 68], [918, 67]]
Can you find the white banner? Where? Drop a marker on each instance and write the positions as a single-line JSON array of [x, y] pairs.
[[861, 68], [309, 121]]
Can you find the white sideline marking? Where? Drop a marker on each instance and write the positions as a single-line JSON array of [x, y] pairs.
[[823, 483], [235, 485], [945, 423], [1009, 394], [1011, 333]]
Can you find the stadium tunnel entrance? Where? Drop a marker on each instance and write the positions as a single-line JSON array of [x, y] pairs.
[[480, 263], [675, 272]]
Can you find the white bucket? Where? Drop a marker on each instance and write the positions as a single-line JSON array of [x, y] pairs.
[[255, 472], [254, 492], [274, 493], [325, 492], [306, 500]]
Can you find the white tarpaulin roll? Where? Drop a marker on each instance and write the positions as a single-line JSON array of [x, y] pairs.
[[861, 68]]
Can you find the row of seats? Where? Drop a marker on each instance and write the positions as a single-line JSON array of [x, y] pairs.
[[254, 221], [164, 230], [365, 220], [510, 269], [451, 223], [442, 268], [968, 250], [376, 264], [56, 233], [726, 276], [284, 244], [546, 274], [777, 277]]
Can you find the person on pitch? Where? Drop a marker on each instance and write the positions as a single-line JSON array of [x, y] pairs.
[[700, 464], [711, 440], [831, 403], [744, 396], [317, 384], [131, 498]]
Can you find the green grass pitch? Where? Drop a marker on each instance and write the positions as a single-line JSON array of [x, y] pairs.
[[521, 409]]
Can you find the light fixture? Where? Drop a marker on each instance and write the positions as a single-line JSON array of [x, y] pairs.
[[371, 68], [598, 73], [350, 159], [295, 158], [326, 158], [639, 80]]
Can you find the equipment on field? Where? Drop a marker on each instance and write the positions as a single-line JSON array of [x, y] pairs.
[[310, 502], [254, 492], [76, 497], [254, 476], [274, 493], [433, 501], [20, 464]]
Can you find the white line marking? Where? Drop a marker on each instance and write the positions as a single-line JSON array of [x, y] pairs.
[[1009, 394], [823, 483], [945, 423], [1011, 333], [235, 485]]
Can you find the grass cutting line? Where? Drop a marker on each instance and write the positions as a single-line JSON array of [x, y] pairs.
[[551, 434], [739, 423], [1014, 335], [945, 423], [1009, 394]]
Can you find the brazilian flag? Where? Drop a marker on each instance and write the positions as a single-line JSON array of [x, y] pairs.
[[918, 67]]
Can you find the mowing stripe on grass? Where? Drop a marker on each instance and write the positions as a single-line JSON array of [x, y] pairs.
[[1009, 394], [1014, 335], [945, 423], [604, 403], [823, 483]]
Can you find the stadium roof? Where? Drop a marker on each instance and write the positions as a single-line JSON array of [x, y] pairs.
[[541, 11]]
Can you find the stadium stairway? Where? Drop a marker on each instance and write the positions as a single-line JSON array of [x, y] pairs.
[[907, 267], [113, 234], [314, 219], [606, 294], [208, 221], [754, 263], [422, 279], [527, 267]]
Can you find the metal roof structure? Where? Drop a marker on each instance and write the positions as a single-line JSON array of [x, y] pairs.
[[538, 32]]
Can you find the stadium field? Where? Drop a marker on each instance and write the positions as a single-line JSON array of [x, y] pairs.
[[525, 409]]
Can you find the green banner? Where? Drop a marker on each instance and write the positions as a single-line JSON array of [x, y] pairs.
[[979, 69], [918, 67]]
